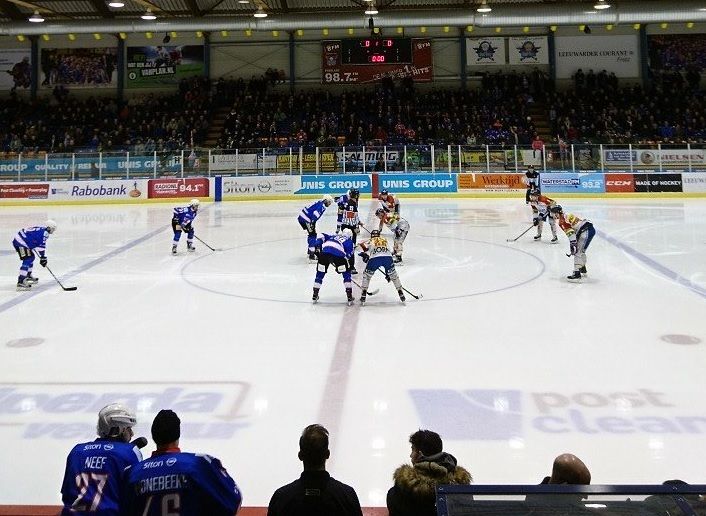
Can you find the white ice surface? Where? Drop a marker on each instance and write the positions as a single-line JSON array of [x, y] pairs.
[[521, 364]]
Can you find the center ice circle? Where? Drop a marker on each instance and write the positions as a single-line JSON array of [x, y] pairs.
[[442, 268]]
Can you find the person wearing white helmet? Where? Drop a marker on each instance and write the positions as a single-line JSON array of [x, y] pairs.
[[307, 220], [27, 242], [336, 250], [93, 478], [182, 220]]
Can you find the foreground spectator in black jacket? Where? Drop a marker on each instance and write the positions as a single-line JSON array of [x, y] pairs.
[[315, 493], [414, 492], [568, 469]]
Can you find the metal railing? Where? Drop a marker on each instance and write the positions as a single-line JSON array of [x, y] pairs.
[[353, 160]]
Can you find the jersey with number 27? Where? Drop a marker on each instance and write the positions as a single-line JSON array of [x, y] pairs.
[[180, 483], [93, 475]]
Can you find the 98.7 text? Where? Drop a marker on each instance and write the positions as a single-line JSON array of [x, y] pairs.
[[340, 77]]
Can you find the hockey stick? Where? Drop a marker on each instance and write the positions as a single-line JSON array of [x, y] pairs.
[[67, 289], [204, 243], [370, 292], [518, 236], [415, 296]]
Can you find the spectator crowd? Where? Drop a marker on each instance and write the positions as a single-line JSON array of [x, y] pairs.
[[109, 477]]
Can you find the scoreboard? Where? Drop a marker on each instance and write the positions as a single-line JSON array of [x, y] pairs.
[[364, 60]]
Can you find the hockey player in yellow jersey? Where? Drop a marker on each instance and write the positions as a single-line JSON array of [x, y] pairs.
[[377, 255], [580, 233]]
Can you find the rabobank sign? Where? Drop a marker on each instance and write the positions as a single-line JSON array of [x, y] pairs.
[[334, 184], [489, 414], [211, 410]]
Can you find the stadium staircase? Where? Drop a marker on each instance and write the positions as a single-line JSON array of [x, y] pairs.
[[540, 116], [215, 128]]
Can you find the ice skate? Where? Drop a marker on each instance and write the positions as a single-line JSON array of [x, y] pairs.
[[190, 247], [575, 276], [23, 286], [31, 279], [554, 239], [349, 295], [583, 270], [401, 293], [353, 270], [315, 296], [174, 251], [538, 237], [397, 258], [363, 297]]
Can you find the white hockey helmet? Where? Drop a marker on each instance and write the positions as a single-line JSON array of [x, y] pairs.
[[113, 419], [348, 233], [194, 203], [50, 225], [328, 200]]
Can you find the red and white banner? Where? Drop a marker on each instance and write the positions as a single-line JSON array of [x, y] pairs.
[[176, 188], [24, 191]]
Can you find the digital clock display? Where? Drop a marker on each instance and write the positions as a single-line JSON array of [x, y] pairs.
[[376, 50]]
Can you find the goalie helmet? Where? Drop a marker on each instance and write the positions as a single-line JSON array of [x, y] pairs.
[[374, 233], [328, 200], [113, 419], [194, 203], [348, 233], [50, 225]]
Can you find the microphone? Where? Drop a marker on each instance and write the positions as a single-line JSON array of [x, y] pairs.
[[140, 442]]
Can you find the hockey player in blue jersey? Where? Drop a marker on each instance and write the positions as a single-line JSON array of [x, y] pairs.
[[176, 482], [183, 220], [377, 255], [93, 477], [307, 220], [26, 243], [336, 250]]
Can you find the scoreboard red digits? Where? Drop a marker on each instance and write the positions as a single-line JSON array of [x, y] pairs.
[[376, 50]]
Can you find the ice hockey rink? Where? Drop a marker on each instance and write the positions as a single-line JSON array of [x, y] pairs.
[[506, 359]]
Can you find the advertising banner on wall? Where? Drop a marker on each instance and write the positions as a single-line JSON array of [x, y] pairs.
[[418, 183], [334, 184], [569, 182], [15, 69], [653, 157], [533, 50], [485, 51], [339, 69], [617, 54], [658, 182], [619, 183], [327, 161], [154, 67], [178, 188], [235, 187], [491, 182], [83, 165], [78, 67], [694, 182], [24, 191], [109, 190], [242, 162]]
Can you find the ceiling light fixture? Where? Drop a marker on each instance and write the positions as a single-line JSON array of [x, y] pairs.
[[260, 13], [601, 4], [484, 7], [116, 3], [36, 18], [149, 15], [243, 1], [371, 10]]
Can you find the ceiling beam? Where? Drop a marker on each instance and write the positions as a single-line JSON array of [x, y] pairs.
[[194, 8], [11, 11]]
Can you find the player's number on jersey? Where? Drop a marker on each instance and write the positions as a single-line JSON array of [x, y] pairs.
[[89, 484], [171, 505]]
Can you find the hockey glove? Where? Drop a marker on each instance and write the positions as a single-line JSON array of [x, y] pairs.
[[43, 261], [573, 248], [187, 228], [535, 221], [543, 216], [364, 256]]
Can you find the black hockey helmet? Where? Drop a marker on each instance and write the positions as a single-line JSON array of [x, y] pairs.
[[374, 233], [556, 209], [534, 191], [354, 193], [383, 192]]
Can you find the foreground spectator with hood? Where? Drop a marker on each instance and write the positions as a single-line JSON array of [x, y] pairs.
[[414, 492]]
